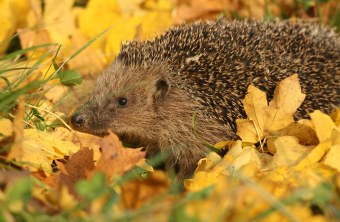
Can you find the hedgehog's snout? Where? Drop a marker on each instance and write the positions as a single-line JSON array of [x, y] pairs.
[[77, 120]]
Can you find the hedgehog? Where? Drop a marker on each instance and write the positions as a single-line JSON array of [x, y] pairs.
[[182, 91]]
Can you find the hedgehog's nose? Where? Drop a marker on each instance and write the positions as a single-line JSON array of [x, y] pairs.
[[77, 120]]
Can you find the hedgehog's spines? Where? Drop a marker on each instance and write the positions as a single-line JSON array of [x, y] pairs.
[[216, 61], [208, 67]]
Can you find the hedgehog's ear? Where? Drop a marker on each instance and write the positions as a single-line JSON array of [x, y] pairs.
[[162, 88]]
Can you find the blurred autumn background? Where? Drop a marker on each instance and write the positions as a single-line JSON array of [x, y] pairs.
[[50, 54]]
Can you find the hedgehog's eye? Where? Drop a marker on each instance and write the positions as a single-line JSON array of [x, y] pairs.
[[122, 101]]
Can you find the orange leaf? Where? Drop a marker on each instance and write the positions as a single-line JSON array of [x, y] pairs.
[[115, 160]]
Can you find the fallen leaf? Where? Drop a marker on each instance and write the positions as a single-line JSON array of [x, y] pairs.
[[78, 167], [209, 171], [323, 125], [286, 100], [333, 155], [267, 120], [288, 152], [17, 150], [315, 155], [243, 155], [137, 193], [10, 176], [9, 20], [6, 127], [116, 160]]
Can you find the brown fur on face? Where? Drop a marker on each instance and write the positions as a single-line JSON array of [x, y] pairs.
[[157, 115]]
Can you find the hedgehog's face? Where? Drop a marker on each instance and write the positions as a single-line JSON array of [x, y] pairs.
[[125, 100]]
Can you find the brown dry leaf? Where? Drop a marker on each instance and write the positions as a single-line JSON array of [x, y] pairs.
[[11, 176], [116, 160], [77, 168], [303, 130], [189, 10], [194, 9], [267, 120]]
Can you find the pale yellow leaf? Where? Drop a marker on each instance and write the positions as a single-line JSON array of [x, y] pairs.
[[154, 23], [223, 144], [315, 155], [8, 23], [203, 179], [255, 104], [323, 125], [124, 29], [98, 16], [207, 163], [269, 120], [333, 156], [288, 151], [53, 146], [235, 149], [242, 156], [248, 131], [6, 127], [287, 99]]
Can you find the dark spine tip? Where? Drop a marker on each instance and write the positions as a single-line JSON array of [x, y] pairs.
[[77, 120]]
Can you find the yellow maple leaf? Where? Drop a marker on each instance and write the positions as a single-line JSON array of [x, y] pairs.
[[267, 120]]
